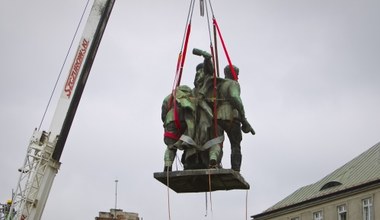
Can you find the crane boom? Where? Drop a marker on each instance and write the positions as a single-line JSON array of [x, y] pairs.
[[45, 148]]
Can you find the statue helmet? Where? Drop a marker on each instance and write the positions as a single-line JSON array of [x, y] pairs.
[[228, 73]]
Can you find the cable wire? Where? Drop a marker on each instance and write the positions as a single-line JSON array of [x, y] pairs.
[[208, 25], [210, 188], [212, 10], [188, 20], [63, 64], [215, 40], [168, 192], [206, 204], [246, 205]]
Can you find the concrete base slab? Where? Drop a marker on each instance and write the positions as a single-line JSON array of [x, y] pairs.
[[192, 181]]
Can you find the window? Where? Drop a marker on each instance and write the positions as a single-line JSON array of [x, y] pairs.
[[295, 218], [367, 209], [331, 184], [342, 212], [317, 215]]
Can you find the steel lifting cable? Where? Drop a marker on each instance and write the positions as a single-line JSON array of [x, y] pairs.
[[206, 204], [234, 75], [168, 192], [213, 47], [63, 64], [246, 205], [209, 188], [183, 57], [180, 63], [177, 81], [216, 27], [214, 53], [209, 185], [185, 40], [214, 59], [185, 34], [214, 105]]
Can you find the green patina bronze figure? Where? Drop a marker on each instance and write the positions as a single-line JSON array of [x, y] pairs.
[[190, 122], [176, 115], [204, 147], [231, 114]]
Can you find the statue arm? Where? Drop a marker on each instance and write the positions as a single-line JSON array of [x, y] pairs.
[[237, 104], [164, 108], [208, 67], [235, 100]]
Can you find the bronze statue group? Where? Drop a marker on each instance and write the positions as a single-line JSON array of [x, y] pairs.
[[195, 120]]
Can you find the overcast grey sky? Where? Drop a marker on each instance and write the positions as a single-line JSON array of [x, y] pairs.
[[309, 74]]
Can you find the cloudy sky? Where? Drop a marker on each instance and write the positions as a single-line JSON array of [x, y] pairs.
[[310, 79]]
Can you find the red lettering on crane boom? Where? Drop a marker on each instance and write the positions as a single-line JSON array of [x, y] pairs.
[[74, 71]]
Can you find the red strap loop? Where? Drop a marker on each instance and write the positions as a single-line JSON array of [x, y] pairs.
[[234, 75], [171, 135]]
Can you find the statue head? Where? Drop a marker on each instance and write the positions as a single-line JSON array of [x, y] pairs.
[[228, 73]]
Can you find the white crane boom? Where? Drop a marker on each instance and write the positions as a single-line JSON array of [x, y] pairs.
[[42, 160]]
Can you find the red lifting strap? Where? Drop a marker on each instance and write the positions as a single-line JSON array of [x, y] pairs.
[[171, 135], [184, 53], [180, 64], [177, 68], [234, 75], [176, 115]]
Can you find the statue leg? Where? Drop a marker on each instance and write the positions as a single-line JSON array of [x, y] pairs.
[[169, 158], [236, 162], [235, 136], [214, 155], [170, 153]]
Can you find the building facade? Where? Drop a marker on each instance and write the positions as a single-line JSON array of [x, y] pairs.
[[351, 192], [117, 214]]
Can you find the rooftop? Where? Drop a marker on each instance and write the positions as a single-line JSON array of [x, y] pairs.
[[361, 170]]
